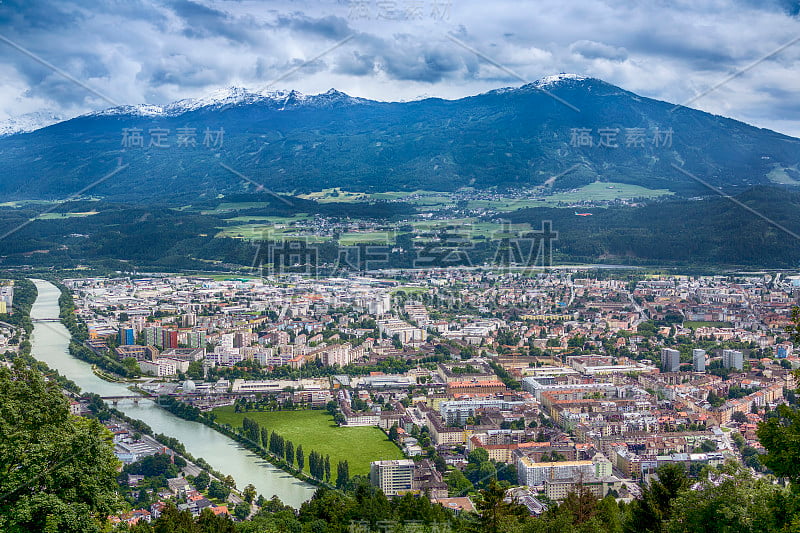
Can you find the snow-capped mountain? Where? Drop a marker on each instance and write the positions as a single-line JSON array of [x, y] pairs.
[[556, 79], [515, 137], [30, 122], [234, 96]]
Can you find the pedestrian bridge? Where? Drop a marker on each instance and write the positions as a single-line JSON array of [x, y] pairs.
[[135, 397]]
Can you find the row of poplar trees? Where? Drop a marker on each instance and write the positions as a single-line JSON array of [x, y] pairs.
[[319, 466]]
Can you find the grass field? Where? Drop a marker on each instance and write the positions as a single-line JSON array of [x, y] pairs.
[[274, 220], [779, 175], [56, 216], [367, 237], [335, 195], [471, 228], [217, 276], [315, 430], [511, 204], [410, 289], [700, 324], [606, 191], [267, 233]]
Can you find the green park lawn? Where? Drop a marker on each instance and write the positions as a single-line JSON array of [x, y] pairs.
[[315, 430], [701, 324]]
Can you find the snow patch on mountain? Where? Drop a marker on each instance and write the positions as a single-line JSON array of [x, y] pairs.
[[234, 96], [556, 79], [30, 122]]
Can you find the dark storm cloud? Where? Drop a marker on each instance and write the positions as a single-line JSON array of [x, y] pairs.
[[355, 64], [407, 57], [18, 16], [329, 27], [790, 7], [203, 22], [427, 64]]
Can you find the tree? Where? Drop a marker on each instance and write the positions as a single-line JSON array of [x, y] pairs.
[[740, 417], [393, 433], [265, 438], [495, 511], [327, 468], [457, 483], [779, 435], [301, 459], [249, 493], [202, 480], [478, 456], [332, 407], [217, 490], [57, 471], [581, 504], [153, 465], [654, 508], [209, 522], [730, 499], [714, 399], [794, 328], [707, 446], [195, 370], [289, 451], [241, 511], [172, 520], [342, 474]]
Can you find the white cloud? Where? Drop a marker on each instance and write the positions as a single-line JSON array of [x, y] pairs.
[[151, 52]]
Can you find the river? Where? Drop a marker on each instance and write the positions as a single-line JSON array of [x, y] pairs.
[[50, 344]]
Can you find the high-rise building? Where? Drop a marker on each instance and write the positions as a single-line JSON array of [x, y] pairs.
[[188, 320], [196, 339], [126, 337], [169, 338], [670, 360], [241, 339], [699, 360], [392, 477], [733, 359], [152, 336]]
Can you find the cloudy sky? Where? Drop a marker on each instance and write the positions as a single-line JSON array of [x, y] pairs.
[[71, 57]]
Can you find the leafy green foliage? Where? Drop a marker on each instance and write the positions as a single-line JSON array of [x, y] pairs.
[[57, 471]]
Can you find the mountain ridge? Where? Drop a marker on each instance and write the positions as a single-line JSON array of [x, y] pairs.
[[234, 95], [514, 138]]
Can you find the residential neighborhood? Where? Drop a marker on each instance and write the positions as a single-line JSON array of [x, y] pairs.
[[549, 382]]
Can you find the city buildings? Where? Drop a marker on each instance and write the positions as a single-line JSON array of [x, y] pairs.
[[556, 373], [699, 360], [670, 360], [732, 359], [392, 477]]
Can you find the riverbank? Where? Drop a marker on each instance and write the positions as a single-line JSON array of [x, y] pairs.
[[51, 346], [26, 295], [193, 414], [105, 376]]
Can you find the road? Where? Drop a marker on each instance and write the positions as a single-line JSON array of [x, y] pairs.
[[639, 309]]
